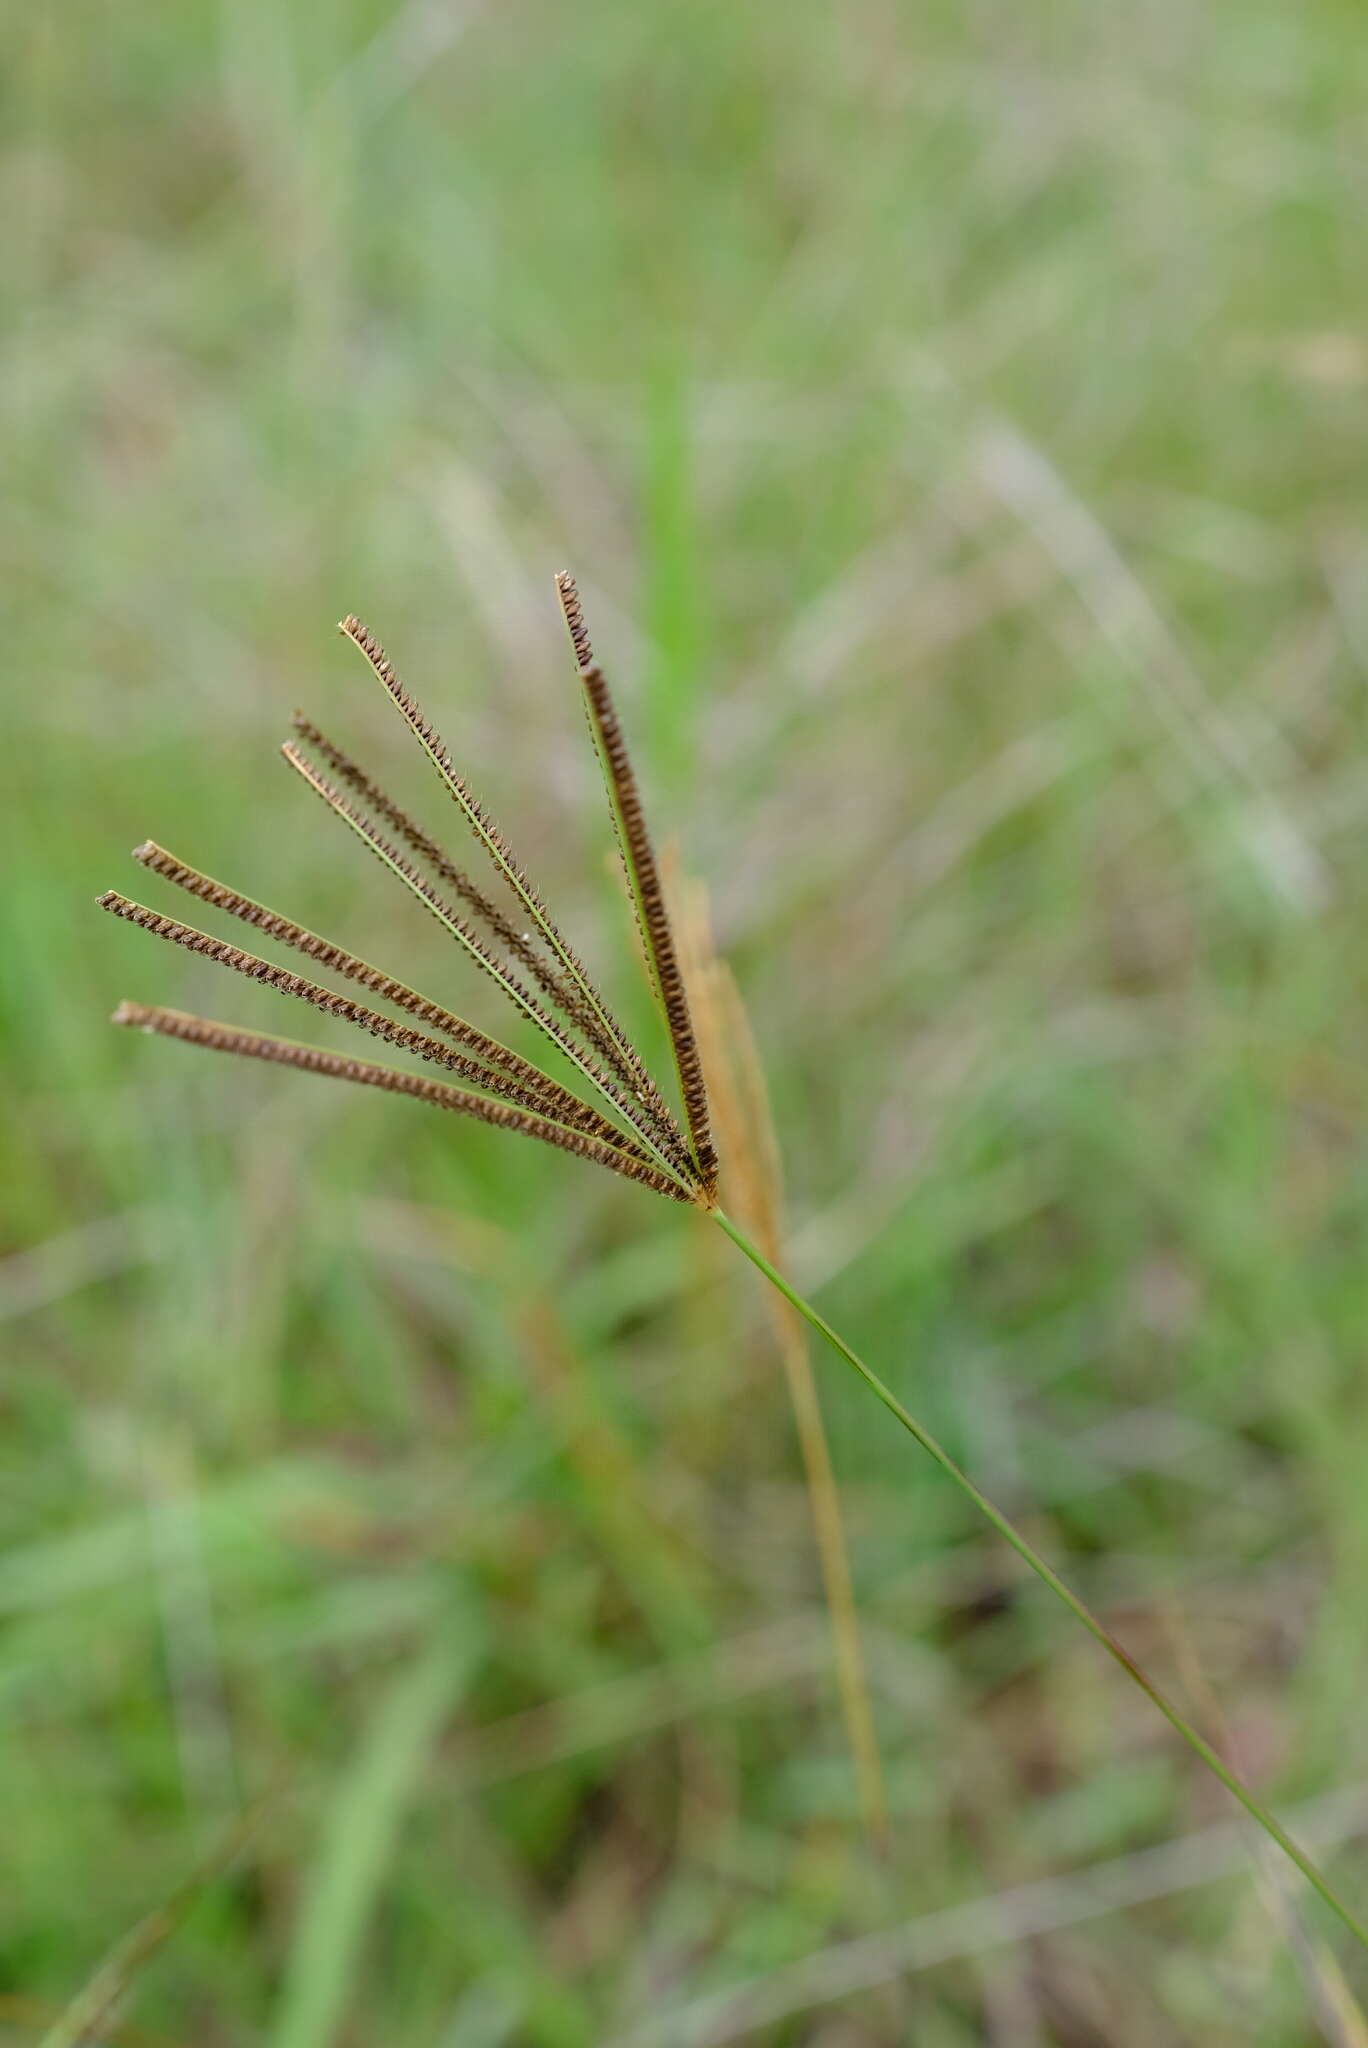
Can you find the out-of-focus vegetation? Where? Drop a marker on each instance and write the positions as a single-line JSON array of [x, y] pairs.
[[956, 418]]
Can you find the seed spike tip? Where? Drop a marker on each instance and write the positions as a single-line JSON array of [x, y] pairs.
[[568, 591]]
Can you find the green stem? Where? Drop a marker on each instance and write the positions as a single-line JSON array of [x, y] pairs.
[[1195, 1742]]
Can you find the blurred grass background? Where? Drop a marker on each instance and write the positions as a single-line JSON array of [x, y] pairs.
[[956, 418]]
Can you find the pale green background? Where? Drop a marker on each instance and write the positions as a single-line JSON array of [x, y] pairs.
[[956, 416]]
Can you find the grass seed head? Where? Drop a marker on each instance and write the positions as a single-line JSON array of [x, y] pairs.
[[633, 1133]]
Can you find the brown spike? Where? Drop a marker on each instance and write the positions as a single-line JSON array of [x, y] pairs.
[[643, 875], [501, 854], [428, 850], [561, 994], [577, 1114], [675, 1150], [536, 1087], [439, 1095]]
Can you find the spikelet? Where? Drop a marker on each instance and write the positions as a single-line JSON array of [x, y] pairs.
[[643, 876]]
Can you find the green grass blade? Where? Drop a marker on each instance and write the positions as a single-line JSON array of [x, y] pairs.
[[359, 1840]]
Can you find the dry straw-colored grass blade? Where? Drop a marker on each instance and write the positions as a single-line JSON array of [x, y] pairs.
[[753, 1185]]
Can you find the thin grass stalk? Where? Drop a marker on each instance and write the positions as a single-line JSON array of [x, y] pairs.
[[1338, 2014], [1007, 1529]]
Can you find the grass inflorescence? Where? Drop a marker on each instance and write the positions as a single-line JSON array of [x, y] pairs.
[[634, 1134]]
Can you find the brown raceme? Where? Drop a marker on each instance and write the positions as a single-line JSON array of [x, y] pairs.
[[480, 952], [552, 1098], [561, 994], [643, 873], [502, 856], [313, 1059]]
